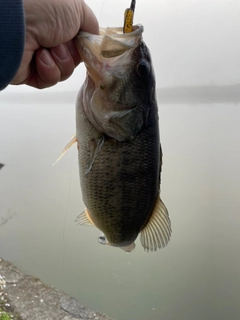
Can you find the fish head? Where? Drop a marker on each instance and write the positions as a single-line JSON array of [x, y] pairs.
[[121, 80]]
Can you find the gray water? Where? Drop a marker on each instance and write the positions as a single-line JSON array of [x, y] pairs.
[[197, 276]]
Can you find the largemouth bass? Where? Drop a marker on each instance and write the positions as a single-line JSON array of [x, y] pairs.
[[119, 151]]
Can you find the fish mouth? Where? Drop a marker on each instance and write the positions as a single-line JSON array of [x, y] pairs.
[[101, 53]]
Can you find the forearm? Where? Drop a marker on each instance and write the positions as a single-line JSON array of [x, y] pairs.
[[12, 33]]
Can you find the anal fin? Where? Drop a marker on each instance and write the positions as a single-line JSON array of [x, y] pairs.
[[68, 146], [156, 234]]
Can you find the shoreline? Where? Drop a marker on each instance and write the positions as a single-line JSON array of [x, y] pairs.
[[26, 298], [165, 95]]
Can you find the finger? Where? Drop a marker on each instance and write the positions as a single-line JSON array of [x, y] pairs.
[[64, 60], [74, 52], [51, 66], [45, 73]]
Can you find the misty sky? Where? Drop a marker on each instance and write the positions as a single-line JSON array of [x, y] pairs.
[[193, 42]]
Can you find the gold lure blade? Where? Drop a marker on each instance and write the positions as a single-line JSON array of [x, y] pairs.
[[128, 18]]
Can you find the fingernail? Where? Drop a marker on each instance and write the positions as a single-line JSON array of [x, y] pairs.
[[61, 52], [46, 58]]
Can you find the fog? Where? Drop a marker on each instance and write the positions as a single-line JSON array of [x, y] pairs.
[[192, 42], [195, 51]]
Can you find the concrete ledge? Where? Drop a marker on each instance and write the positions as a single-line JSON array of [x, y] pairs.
[[27, 298]]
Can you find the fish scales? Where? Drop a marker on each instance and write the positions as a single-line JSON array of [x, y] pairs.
[[120, 155], [116, 191]]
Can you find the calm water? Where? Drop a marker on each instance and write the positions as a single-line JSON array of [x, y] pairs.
[[197, 276]]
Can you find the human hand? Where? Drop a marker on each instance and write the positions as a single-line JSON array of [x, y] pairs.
[[50, 55]]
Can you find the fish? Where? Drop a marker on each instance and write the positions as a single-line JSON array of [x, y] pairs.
[[119, 150]]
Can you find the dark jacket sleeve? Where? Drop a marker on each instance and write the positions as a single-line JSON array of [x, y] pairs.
[[12, 34]]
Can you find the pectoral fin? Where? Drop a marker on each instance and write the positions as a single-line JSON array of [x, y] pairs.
[[156, 234], [96, 148], [73, 140], [84, 219]]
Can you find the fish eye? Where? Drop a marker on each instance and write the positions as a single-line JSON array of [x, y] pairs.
[[143, 68]]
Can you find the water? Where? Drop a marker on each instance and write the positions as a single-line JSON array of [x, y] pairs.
[[195, 277]]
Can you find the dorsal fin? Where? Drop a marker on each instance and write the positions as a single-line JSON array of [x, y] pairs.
[[84, 219], [156, 234]]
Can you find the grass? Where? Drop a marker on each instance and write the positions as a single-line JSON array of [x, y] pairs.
[[4, 315]]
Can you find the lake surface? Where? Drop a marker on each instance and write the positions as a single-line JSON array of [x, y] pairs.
[[197, 276]]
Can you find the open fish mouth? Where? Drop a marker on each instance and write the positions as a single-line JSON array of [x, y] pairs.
[[108, 53], [115, 33]]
